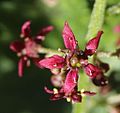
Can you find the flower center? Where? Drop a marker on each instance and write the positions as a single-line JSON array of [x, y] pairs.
[[30, 49], [74, 61], [77, 57]]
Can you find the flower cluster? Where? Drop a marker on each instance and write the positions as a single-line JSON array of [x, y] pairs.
[[28, 48], [65, 68]]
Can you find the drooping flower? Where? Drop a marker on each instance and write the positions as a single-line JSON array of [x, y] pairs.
[[101, 80], [28, 48], [73, 60], [74, 96]]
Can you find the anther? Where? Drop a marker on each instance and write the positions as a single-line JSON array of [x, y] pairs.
[[59, 50], [55, 91], [26, 39], [19, 54], [28, 63], [106, 82], [68, 99], [82, 92], [25, 58], [21, 36], [102, 83]]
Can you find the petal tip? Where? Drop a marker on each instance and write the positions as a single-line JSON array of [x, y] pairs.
[[100, 33], [66, 23]]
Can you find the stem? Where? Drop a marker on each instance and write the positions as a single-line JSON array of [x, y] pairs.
[[97, 18], [49, 52], [96, 22]]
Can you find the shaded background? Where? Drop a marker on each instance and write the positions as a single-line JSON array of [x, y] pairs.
[[26, 95]]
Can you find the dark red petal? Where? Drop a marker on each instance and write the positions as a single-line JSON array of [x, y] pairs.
[[21, 64], [70, 81], [89, 93], [25, 30], [46, 30], [48, 91], [54, 96], [69, 38], [53, 62], [41, 35], [17, 46], [57, 96], [100, 80], [104, 66], [91, 70], [76, 98], [92, 45]]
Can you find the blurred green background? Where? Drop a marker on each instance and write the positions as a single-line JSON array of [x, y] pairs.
[[26, 94]]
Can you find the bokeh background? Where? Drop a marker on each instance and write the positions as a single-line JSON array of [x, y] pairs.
[[26, 94]]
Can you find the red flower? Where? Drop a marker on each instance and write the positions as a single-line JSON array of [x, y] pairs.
[[73, 60], [100, 80], [74, 96], [91, 70], [28, 48]]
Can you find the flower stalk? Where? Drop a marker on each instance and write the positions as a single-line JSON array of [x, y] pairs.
[[49, 52]]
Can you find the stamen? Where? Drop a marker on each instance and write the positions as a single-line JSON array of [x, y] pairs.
[[102, 83], [59, 50], [19, 54], [24, 52], [73, 102], [106, 82], [21, 35], [26, 39], [62, 50], [55, 91], [25, 58], [68, 99], [82, 92], [28, 63]]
